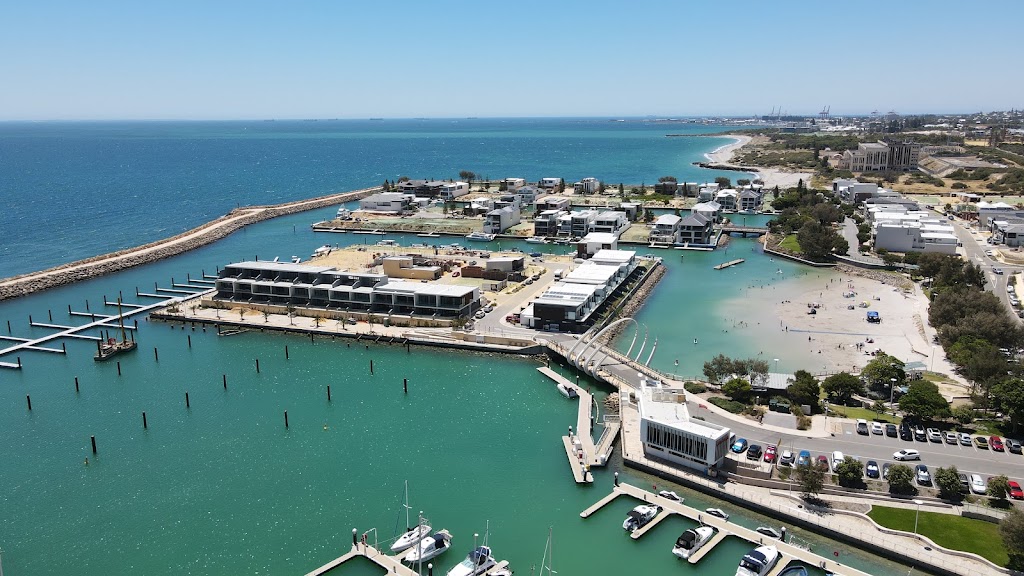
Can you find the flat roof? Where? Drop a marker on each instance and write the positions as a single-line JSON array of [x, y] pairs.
[[594, 274], [602, 237], [616, 256], [656, 406], [421, 288], [281, 267]]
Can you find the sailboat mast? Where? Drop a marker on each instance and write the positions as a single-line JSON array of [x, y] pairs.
[[120, 320], [407, 527]]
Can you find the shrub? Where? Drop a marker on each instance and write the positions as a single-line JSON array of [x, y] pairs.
[[726, 404], [695, 387]]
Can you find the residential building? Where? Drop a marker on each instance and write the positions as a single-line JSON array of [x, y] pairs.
[[854, 191], [1011, 234], [568, 305], [387, 202], [546, 223], [576, 224], [550, 183], [326, 288], [632, 210], [513, 184], [711, 210], [668, 433], [586, 186], [501, 219], [749, 200], [610, 221], [669, 188], [728, 199], [707, 191], [554, 203], [665, 230], [426, 188], [594, 242], [695, 229], [452, 190], [405, 267], [526, 194], [912, 231]]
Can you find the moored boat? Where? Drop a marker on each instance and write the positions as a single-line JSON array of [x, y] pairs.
[[112, 346], [480, 237], [671, 495], [537, 240], [413, 534], [429, 547], [567, 390], [639, 517], [795, 571], [769, 532], [477, 562], [692, 540], [718, 512], [759, 561]]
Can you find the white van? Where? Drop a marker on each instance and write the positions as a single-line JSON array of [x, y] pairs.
[[837, 459]]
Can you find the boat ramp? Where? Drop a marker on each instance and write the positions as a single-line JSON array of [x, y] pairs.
[[723, 529]]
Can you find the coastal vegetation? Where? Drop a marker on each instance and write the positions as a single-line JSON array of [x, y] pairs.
[[811, 215], [949, 531]]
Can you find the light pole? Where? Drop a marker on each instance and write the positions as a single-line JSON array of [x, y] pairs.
[[931, 361], [918, 515], [892, 388]]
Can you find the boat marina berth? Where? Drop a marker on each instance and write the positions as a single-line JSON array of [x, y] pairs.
[[759, 561]]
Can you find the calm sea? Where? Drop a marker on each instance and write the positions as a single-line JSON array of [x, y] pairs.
[[222, 487]]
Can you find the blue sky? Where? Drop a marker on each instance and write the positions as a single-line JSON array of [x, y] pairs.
[[441, 58]]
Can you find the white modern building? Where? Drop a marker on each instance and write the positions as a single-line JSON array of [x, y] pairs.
[[665, 230], [452, 190], [668, 433], [912, 231], [611, 222], [550, 183], [546, 223], [728, 199], [513, 184], [710, 210], [989, 210], [707, 191], [497, 221], [387, 202], [587, 186], [594, 242]]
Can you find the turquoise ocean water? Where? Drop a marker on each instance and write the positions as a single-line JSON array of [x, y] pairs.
[[223, 488]]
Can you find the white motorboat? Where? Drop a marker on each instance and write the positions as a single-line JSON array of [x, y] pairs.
[[389, 243], [759, 561], [322, 251], [671, 495], [428, 235], [769, 532], [480, 237], [692, 540], [477, 562], [717, 512], [430, 547], [639, 517], [414, 534], [537, 240], [567, 390], [344, 214]]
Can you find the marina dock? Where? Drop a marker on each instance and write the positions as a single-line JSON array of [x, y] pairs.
[[582, 439], [636, 534], [725, 265], [723, 529], [391, 564]]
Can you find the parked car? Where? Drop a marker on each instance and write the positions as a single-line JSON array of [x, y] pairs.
[[1015, 491], [934, 435], [804, 458], [890, 430], [739, 445], [822, 462], [924, 478], [862, 426], [950, 437], [977, 484], [965, 481], [876, 428], [920, 435], [965, 439], [872, 469], [769, 453], [754, 453], [906, 432], [996, 443], [837, 459], [1013, 446], [980, 442], [885, 470], [787, 458], [907, 454]]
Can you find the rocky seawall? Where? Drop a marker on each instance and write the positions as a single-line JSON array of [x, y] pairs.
[[24, 284]]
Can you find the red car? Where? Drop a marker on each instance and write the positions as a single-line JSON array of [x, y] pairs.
[[823, 463], [996, 443], [1015, 492], [769, 454]]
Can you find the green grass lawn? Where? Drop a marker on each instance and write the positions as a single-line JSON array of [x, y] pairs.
[[790, 243], [948, 531], [853, 412]]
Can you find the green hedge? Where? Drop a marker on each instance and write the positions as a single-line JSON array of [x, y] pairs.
[[726, 404], [695, 387]]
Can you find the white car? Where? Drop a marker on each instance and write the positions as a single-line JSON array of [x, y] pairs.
[[876, 428], [950, 437], [934, 435], [977, 484], [907, 454], [965, 439]]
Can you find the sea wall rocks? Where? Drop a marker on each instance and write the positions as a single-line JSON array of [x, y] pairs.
[[24, 284]]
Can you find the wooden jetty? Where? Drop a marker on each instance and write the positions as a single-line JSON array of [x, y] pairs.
[[723, 529], [725, 265]]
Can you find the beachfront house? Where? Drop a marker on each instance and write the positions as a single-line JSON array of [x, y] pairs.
[[452, 190], [727, 199], [586, 186], [513, 184], [526, 194], [501, 219], [665, 230], [707, 192], [750, 201], [387, 202], [695, 229], [632, 210], [576, 224], [554, 203], [550, 183]]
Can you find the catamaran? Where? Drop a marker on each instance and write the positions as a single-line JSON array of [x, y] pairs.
[[113, 346]]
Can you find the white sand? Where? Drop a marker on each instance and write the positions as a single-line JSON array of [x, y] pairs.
[[770, 176]]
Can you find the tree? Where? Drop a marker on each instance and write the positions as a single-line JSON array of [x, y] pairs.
[[810, 478], [622, 191], [1011, 528], [880, 371], [843, 386], [947, 480], [964, 414], [664, 179], [717, 368], [923, 401], [723, 182], [878, 407], [738, 389], [467, 176], [1010, 395], [805, 389], [850, 472], [998, 487], [901, 479], [817, 242], [403, 179], [648, 215]]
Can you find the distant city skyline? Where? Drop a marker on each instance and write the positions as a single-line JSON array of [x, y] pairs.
[[449, 59]]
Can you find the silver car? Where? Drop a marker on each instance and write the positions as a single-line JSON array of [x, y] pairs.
[[951, 438], [965, 439]]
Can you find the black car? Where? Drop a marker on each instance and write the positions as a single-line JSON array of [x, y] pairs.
[[906, 433], [754, 452], [890, 430]]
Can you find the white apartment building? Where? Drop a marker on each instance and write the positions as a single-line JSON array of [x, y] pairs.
[[586, 186], [665, 229], [912, 231]]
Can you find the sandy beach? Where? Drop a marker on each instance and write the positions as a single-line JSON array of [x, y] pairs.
[[770, 176]]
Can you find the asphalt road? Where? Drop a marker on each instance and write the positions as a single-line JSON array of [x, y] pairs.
[[973, 248]]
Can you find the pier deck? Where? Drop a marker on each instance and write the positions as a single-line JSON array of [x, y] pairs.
[[725, 265], [580, 470], [723, 527], [636, 534], [600, 504], [715, 540], [389, 563], [593, 454]]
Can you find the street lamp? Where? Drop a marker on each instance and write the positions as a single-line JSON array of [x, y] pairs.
[[892, 388], [918, 515], [931, 361]]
